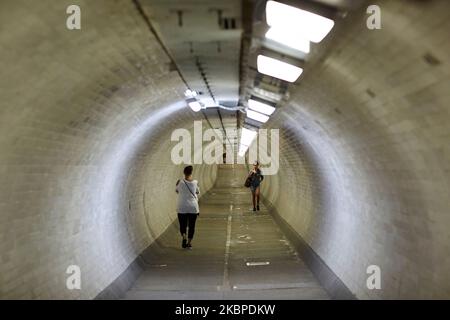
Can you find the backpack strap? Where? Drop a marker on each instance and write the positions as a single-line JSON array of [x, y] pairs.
[[189, 189]]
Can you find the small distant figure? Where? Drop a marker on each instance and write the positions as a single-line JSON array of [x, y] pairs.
[[187, 206], [254, 179]]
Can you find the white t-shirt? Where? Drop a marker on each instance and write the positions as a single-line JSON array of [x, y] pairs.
[[187, 198]]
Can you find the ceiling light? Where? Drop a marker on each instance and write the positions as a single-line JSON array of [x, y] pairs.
[[267, 94], [260, 107], [257, 116], [242, 150], [290, 39], [306, 24], [278, 69], [247, 137], [195, 106], [190, 93]]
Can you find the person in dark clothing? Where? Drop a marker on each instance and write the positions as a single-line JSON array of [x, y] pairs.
[[256, 178], [187, 206]]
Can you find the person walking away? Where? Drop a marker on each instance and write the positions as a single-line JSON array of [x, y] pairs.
[[187, 206]]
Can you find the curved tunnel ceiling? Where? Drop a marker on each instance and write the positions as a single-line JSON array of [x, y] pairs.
[[86, 118], [204, 38]]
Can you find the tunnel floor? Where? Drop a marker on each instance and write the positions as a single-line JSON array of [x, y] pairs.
[[237, 253]]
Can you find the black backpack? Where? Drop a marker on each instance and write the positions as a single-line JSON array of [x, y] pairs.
[[248, 181]]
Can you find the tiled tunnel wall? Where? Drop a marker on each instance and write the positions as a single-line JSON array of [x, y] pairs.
[[86, 117], [365, 154], [84, 178]]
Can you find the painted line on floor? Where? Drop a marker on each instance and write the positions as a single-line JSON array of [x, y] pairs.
[[269, 286], [226, 280], [262, 263]]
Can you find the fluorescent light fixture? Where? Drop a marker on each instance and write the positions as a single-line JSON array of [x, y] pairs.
[[242, 150], [257, 116], [267, 94], [288, 38], [190, 93], [278, 69], [195, 106], [260, 107], [247, 137], [308, 25]]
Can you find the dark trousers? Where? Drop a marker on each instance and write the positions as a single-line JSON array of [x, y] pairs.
[[185, 220]]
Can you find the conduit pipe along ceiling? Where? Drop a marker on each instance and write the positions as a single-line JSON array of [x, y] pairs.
[[291, 27]]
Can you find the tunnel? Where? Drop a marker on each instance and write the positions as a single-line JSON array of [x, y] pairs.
[[92, 96]]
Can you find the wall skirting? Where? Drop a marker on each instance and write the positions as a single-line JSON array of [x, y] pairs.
[[118, 287], [326, 277]]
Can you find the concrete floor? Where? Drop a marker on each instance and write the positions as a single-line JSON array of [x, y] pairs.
[[228, 236]]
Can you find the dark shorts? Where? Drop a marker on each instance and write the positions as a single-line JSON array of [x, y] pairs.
[[254, 187]]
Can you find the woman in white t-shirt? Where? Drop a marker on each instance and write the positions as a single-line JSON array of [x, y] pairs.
[[187, 205]]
